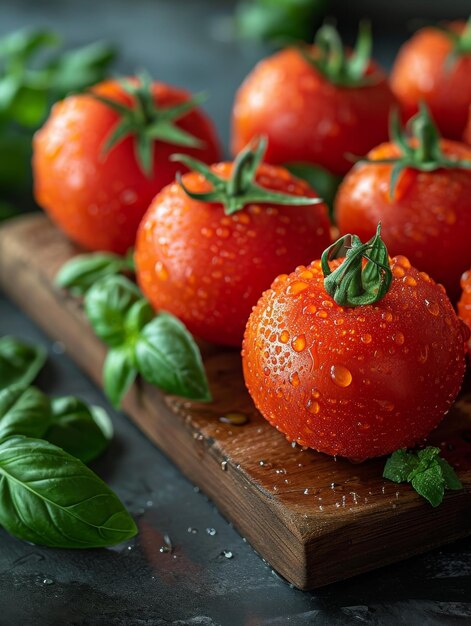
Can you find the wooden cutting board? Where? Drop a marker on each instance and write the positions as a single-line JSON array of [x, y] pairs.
[[313, 518]]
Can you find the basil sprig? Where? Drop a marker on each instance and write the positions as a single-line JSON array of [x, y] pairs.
[[51, 498], [427, 472], [159, 348], [20, 362], [81, 430]]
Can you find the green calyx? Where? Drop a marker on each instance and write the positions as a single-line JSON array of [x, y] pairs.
[[146, 121], [461, 43], [240, 189], [329, 57], [423, 153], [352, 284]]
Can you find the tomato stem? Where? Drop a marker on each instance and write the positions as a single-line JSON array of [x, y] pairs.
[[419, 145], [329, 58], [146, 122], [353, 283], [240, 189]]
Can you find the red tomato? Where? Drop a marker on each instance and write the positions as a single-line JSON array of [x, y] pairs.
[[425, 71], [464, 305], [360, 381], [209, 268], [428, 219], [308, 118], [99, 198], [467, 131]]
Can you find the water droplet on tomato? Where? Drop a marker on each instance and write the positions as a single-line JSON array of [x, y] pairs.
[[321, 314], [366, 338], [403, 261], [284, 336], [299, 343], [341, 375], [294, 379], [432, 307], [423, 356], [296, 287], [161, 271], [399, 338], [398, 271], [313, 406], [409, 281]]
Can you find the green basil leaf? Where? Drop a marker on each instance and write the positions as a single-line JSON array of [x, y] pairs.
[[81, 272], [449, 475], [20, 362], [80, 430], [140, 314], [30, 106], [107, 303], [168, 357], [430, 484], [399, 466], [23, 411], [50, 498], [21, 44], [118, 374]]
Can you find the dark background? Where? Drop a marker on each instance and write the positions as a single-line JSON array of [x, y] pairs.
[[190, 43]]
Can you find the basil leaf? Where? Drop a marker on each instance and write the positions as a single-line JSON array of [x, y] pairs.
[[430, 484], [50, 498], [23, 411], [168, 357], [81, 272], [19, 362], [80, 430], [399, 466], [106, 304], [23, 43], [118, 374], [449, 476], [140, 314]]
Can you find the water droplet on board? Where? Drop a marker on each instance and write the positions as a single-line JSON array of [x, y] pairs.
[[48, 581], [167, 546], [235, 418], [58, 347], [341, 375], [227, 553], [211, 532], [224, 466], [191, 530]]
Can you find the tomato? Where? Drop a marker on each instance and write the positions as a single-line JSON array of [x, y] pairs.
[[427, 69], [310, 113], [208, 265], [98, 197], [464, 305], [426, 216], [355, 381]]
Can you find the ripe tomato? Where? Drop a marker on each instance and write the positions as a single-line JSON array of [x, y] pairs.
[[467, 130], [355, 381], [309, 112], [464, 305], [433, 67], [427, 216], [98, 197], [208, 265]]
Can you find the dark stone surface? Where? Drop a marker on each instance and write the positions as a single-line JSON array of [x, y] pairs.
[[135, 583]]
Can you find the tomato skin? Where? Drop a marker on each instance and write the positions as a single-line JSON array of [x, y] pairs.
[[428, 220], [467, 131], [356, 382], [98, 200], [305, 117], [420, 73], [209, 268], [464, 304]]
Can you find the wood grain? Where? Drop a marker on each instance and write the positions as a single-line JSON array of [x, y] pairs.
[[314, 519]]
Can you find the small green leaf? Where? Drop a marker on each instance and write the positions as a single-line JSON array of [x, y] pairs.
[[428, 474], [82, 431], [20, 362], [399, 466], [118, 374], [23, 411], [167, 356], [430, 484], [22, 44], [140, 314], [107, 303], [82, 271], [50, 498]]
